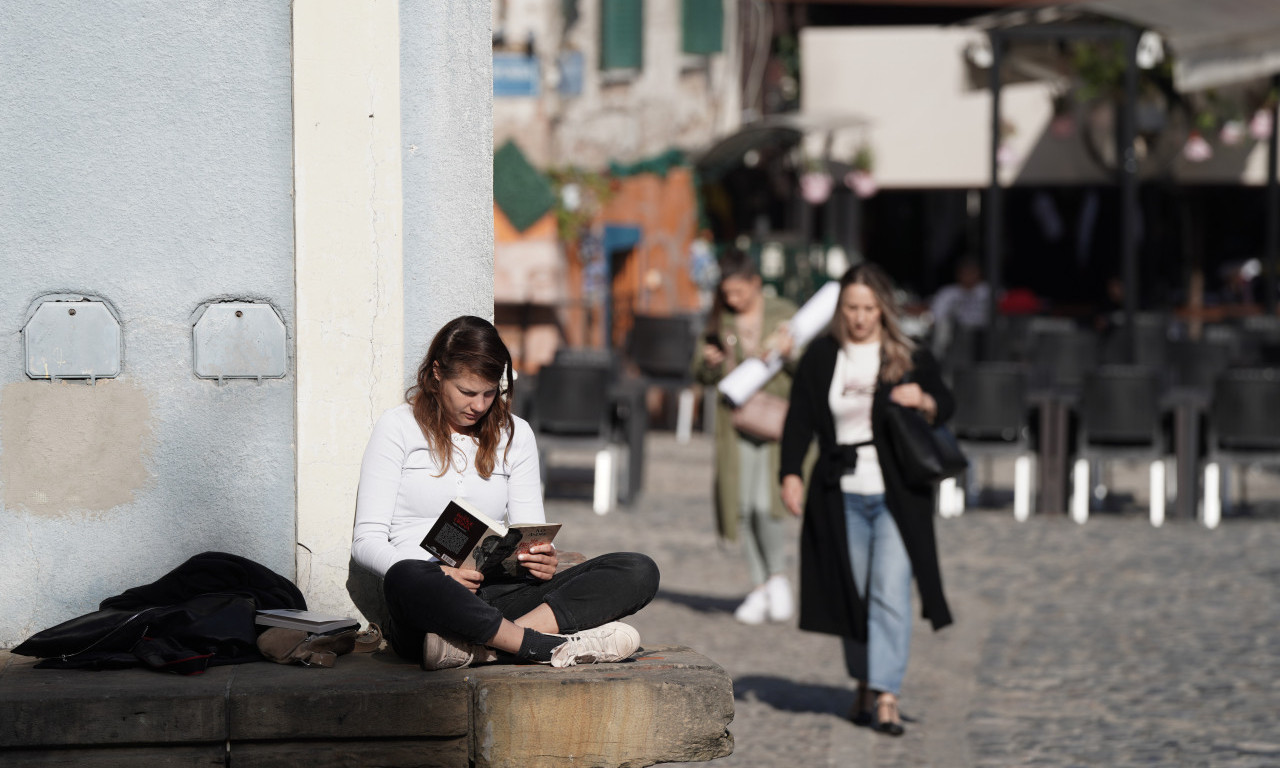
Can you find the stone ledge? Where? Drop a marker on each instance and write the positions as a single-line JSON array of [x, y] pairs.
[[669, 704]]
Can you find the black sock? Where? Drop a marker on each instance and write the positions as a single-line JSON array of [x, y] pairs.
[[537, 646]]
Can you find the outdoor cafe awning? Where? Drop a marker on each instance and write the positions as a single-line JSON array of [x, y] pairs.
[[1215, 42], [779, 132]]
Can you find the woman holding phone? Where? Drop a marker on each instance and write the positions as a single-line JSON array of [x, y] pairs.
[[745, 323]]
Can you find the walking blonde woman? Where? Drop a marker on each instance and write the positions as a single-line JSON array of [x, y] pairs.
[[865, 531]]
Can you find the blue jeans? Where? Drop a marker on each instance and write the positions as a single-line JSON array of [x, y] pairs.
[[882, 571]]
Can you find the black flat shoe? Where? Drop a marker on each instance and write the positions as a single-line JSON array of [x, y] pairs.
[[860, 713], [887, 719]]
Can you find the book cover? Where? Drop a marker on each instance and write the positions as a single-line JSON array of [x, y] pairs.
[[465, 537], [309, 621]]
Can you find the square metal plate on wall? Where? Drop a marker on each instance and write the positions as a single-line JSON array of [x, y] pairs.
[[239, 340], [67, 339]]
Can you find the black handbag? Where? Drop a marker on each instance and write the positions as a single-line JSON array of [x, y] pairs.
[[926, 453]]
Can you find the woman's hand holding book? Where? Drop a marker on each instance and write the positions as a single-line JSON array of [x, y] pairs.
[[467, 578], [540, 560]]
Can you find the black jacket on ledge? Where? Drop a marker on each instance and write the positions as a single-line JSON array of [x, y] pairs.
[[199, 615], [829, 600]]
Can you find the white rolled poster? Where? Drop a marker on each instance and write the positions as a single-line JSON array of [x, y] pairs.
[[808, 321]]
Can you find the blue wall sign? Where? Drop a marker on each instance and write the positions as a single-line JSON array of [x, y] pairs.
[[515, 74]]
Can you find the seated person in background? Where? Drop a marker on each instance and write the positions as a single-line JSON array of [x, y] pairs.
[[960, 304], [456, 436]]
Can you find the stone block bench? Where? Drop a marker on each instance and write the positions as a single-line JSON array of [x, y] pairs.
[[669, 704]]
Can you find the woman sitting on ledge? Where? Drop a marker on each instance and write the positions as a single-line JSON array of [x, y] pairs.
[[456, 436]]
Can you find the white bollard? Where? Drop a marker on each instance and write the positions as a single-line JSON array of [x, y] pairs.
[[1211, 515], [1157, 493], [1080, 492], [1022, 488], [602, 494], [684, 416]]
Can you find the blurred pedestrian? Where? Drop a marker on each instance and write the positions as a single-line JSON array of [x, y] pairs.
[[745, 323], [962, 304], [865, 531]]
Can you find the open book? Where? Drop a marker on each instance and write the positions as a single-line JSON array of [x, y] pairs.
[[465, 537]]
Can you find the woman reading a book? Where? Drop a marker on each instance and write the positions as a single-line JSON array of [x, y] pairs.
[[866, 532], [455, 436]]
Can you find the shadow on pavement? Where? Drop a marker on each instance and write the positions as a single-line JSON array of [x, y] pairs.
[[793, 696], [703, 603]]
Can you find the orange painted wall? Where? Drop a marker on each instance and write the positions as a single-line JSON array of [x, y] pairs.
[[531, 331], [654, 279]]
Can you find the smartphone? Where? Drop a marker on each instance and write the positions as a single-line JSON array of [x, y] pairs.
[[713, 340]]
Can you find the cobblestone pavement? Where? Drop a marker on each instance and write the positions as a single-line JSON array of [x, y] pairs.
[[1108, 644]]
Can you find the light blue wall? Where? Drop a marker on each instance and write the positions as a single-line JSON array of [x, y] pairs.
[[446, 80], [145, 157]]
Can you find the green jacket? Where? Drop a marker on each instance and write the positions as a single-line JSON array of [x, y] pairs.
[[776, 312]]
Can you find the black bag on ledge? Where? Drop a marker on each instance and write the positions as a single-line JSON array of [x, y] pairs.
[[199, 615], [927, 454]]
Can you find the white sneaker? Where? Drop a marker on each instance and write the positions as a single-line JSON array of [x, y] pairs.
[[754, 609], [614, 641], [441, 652], [781, 606]]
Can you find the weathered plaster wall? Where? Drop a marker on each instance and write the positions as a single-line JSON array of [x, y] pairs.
[[350, 324], [446, 101], [144, 159], [393, 164]]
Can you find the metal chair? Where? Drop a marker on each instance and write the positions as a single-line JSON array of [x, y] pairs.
[[662, 349], [1196, 364], [991, 419], [1243, 429], [1151, 345], [1061, 357], [572, 408], [630, 416], [961, 348], [1120, 415], [1260, 337]]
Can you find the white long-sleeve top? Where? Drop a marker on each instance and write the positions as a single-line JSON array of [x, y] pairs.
[[400, 496]]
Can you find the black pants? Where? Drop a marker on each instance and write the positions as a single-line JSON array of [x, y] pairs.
[[421, 598]]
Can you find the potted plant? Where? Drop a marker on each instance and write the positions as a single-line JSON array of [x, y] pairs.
[[860, 178]]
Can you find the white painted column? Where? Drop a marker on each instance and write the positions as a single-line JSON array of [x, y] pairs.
[[348, 220]]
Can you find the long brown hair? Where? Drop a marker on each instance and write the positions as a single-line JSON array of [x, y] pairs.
[[895, 345], [467, 344]]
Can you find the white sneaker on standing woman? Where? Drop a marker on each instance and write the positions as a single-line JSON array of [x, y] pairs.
[[781, 606], [755, 608]]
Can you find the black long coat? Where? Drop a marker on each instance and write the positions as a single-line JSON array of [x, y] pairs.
[[829, 600]]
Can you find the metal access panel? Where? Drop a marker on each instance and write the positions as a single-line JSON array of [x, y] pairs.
[[72, 340], [239, 340]]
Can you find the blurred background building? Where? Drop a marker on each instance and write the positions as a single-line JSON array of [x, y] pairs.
[[637, 138]]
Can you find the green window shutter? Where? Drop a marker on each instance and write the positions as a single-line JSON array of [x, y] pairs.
[[621, 33], [520, 190], [703, 24]]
